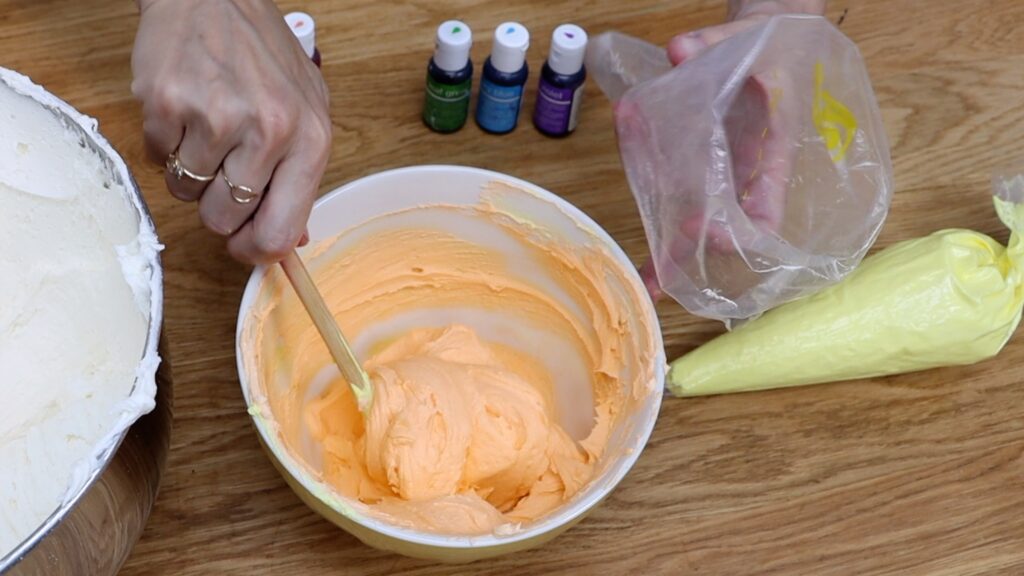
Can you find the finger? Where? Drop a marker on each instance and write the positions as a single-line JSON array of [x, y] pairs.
[[761, 157], [631, 129], [765, 203], [163, 123], [248, 165], [684, 47], [675, 254], [202, 151], [650, 277], [717, 237], [687, 46], [281, 219], [161, 135], [760, 164]]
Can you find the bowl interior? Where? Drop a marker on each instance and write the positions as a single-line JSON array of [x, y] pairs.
[[422, 198]]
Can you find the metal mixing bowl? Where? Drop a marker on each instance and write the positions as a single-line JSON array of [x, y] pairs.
[[94, 533]]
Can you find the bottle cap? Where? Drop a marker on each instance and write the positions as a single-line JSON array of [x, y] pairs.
[[451, 50], [568, 48], [511, 40], [304, 28]]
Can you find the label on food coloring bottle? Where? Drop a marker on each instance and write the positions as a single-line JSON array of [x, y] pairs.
[[498, 106], [554, 113], [447, 105]]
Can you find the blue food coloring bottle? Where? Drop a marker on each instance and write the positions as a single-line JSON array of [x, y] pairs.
[[504, 77]]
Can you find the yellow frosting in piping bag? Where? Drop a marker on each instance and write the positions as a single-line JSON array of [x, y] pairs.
[[951, 298], [474, 427]]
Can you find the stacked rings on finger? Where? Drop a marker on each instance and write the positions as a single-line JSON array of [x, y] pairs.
[[175, 167], [240, 194]]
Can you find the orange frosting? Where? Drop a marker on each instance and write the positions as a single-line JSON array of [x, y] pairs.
[[473, 425], [458, 439]]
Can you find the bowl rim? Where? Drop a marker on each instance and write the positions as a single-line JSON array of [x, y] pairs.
[[574, 508]]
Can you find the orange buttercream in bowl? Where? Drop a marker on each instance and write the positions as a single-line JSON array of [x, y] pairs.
[[503, 357], [457, 440]]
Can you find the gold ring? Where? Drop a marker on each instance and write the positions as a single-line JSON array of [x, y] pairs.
[[239, 193], [175, 167]]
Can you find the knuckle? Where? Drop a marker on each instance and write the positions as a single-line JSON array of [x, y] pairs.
[[274, 244], [276, 123], [318, 137], [219, 127], [167, 101]]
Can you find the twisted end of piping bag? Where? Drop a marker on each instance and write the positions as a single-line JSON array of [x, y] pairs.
[[952, 298], [1008, 197]]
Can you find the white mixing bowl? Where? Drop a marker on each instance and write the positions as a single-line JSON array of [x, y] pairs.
[[356, 203]]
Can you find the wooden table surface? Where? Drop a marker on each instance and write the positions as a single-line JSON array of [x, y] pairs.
[[920, 474]]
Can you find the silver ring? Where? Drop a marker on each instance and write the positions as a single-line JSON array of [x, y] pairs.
[[175, 167], [239, 193]]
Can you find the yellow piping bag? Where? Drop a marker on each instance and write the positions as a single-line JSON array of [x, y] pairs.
[[951, 298]]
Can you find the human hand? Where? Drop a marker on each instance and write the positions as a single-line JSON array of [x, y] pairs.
[[761, 165], [743, 14], [227, 86]]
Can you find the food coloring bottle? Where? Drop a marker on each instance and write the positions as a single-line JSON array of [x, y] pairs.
[[561, 82], [449, 78], [503, 80], [304, 28]]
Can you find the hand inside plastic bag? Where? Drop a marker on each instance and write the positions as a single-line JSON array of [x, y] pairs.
[[761, 160], [755, 153], [761, 167]]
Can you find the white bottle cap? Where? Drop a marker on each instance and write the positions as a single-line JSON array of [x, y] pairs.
[[511, 40], [304, 28], [451, 50], [568, 48]]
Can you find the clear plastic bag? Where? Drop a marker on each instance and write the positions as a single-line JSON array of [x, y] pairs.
[[760, 167]]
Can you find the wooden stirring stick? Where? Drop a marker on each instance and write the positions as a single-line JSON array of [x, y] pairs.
[[328, 328]]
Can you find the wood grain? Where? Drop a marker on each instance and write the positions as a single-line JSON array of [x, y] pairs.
[[920, 474]]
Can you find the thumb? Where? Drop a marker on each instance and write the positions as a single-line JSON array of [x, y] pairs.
[[687, 46]]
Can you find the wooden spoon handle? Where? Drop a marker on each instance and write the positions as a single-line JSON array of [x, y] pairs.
[[328, 328]]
